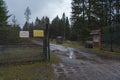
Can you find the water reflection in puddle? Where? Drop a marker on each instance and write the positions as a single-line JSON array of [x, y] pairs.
[[66, 50], [70, 53]]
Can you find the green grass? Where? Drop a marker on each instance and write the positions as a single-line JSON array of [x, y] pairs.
[[21, 54], [35, 71], [105, 53], [70, 44], [73, 44], [54, 59], [28, 71]]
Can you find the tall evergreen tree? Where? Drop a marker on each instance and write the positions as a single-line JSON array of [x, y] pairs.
[[26, 26], [60, 27], [47, 20], [55, 27], [3, 22], [88, 15], [3, 13], [63, 25], [37, 21], [43, 21], [67, 29], [27, 14], [77, 19]]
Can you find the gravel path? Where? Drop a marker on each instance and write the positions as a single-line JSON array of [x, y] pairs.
[[78, 65]]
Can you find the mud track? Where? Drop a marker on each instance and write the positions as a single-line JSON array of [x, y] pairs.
[[78, 65]]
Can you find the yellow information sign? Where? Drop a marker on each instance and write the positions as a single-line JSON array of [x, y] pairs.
[[38, 33]]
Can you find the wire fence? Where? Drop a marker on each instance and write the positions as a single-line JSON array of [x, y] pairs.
[[111, 38], [14, 49], [20, 53]]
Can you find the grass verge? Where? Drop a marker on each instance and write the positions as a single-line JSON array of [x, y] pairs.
[[21, 54], [35, 71], [54, 59], [70, 44], [27, 71], [105, 54]]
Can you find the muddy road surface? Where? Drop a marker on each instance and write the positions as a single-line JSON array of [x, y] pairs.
[[76, 64]]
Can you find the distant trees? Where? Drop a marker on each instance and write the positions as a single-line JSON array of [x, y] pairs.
[[13, 34], [8, 33], [26, 26], [93, 14], [42, 22], [38, 24], [56, 27], [60, 27], [27, 14]]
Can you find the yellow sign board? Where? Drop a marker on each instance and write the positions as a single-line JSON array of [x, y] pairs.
[[38, 33]]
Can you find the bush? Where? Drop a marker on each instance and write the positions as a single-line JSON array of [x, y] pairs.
[[9, 35]]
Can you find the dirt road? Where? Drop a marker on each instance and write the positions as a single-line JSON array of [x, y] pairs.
[[78, 65]]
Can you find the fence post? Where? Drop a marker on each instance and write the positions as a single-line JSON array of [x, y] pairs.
[[47, 43], [111, 40]]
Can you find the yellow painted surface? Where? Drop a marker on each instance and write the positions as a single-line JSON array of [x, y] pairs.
[[38, 33]]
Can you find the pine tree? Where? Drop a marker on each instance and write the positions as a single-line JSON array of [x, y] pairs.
[[26, 26], [37, 22], [67, 29], [60, 27], [55, 27], [88, 15], [27, 14], [77, 19], [3, 22], [3, 13], [63, 26]]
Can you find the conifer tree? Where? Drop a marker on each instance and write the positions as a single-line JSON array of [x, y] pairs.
[[3, 13]]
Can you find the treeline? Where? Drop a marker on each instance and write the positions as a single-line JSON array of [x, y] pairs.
[[8, 33], [58, 27], [37, 25], [88, 15]]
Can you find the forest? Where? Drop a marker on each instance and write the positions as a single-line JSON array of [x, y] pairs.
[[86, 15]]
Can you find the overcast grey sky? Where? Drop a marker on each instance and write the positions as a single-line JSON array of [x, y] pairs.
[[39, 8]]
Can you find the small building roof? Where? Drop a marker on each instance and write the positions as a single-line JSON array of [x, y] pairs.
[[95, 32]]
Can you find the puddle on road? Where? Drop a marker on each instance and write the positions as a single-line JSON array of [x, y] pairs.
[[63, 50], [78, 65], [72, 53]]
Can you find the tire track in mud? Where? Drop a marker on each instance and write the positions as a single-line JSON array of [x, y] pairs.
[[84, 66]]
